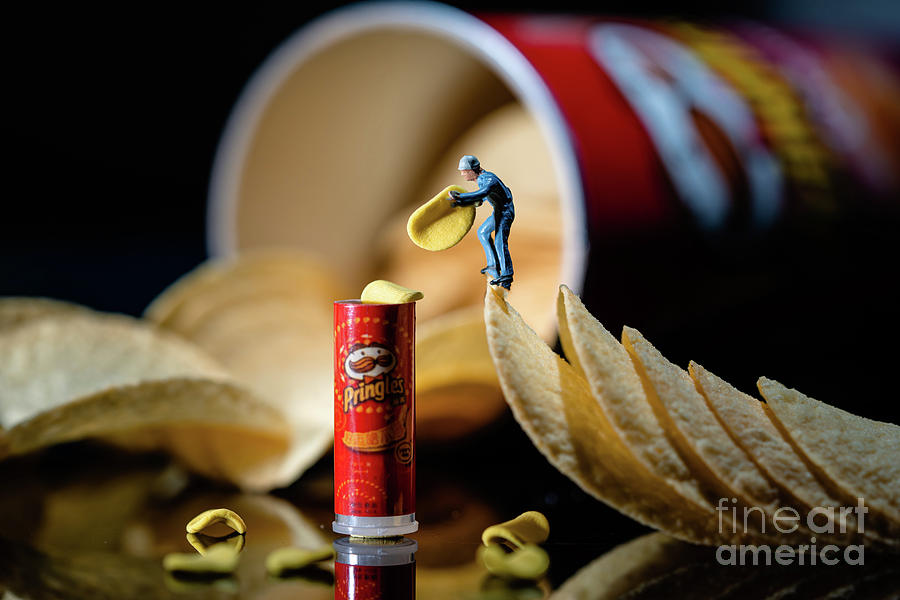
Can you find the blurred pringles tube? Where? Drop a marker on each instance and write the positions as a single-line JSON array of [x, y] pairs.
[[375, 569], [604, 130]]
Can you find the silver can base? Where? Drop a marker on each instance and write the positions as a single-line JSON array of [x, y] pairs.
[[375, 527]]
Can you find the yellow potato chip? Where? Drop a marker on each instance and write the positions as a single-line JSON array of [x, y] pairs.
[[746, 420], [273, 332], [212, 516], [711, 453], [856, 457], [219, 282], [528, 563], [618, 391], [381, 291], [553, 404], [531, 527], [17, 310], [437, 224], [83, 374], [203, 543]]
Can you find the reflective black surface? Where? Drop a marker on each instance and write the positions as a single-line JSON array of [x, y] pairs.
[[84, 521]]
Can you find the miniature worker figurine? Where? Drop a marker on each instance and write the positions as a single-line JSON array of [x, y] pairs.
[[496, 250]]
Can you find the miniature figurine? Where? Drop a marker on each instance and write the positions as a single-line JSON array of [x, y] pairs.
[[496, 249]]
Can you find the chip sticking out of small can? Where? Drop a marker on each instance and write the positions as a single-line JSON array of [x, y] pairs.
[[381, 291], [438, 224]]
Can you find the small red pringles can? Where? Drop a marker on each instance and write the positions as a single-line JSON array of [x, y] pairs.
[[374, 419], [375, 570]]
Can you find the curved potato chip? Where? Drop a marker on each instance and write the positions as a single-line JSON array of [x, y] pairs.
[[530, 562], [529, 527], [856, 457], [381, 291], [437, 224], [81, 374], [745, 419], [554, 406], [628, 566], [711, 453], [203, 543], [267, 318], [46, 362], [218, 281], [618, 391], [216, 515], [15, 310]]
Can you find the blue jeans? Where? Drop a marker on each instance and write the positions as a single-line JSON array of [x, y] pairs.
[[496, 250]]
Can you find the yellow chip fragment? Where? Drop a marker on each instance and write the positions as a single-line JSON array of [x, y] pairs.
[[221, 559], [216, 515], [531, 527], [437, 224], [204, 543], [381, 291], [530, 562], [289, 559]]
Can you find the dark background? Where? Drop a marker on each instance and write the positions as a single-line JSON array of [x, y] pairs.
[[110, 122], [111, 118]]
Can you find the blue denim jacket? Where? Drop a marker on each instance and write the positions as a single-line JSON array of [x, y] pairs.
[[493, 190]]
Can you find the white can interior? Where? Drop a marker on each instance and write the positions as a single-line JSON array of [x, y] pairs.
[[348, 121]]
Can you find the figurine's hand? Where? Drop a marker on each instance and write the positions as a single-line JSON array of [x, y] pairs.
[[454, 198]]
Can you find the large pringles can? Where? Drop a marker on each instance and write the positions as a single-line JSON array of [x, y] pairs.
[[374, 419], [630, 128]]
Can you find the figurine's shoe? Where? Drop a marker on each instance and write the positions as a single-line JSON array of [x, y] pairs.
[[505, 281], [489, 270]]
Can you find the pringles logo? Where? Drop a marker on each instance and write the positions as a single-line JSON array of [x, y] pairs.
[[369, 368]]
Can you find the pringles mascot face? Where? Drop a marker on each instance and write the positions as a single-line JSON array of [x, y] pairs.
[[369, 361]]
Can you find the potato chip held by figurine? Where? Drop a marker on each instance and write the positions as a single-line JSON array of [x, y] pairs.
[[437, 224]]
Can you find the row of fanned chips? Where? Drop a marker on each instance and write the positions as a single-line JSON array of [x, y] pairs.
[[685, 452]]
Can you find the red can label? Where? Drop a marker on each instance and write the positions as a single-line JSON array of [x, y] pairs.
[[374, 409]]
